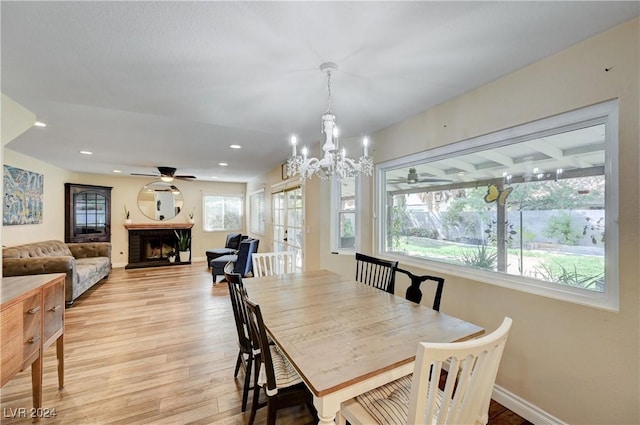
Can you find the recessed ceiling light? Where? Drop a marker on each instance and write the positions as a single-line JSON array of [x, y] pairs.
[[214, 177], [117, 171], [86, 153], [235, 146], [39, 124], [222, 164]]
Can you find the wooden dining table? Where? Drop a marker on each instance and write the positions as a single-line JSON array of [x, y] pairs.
[[345, 338]]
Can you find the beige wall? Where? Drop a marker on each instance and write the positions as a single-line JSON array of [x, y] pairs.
[[125, 192], [52, 226], [272, 182], [577, 363]]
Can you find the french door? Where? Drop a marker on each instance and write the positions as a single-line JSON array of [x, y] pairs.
[[288, 221]]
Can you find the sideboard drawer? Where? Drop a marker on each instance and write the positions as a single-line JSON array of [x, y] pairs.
[[11, 326], [21, 334], [32, 328], [53, 314]]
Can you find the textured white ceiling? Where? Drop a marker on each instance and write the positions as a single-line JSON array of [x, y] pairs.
[[143, 84]]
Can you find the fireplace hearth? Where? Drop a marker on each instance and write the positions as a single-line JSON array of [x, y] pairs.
[[150, 244]]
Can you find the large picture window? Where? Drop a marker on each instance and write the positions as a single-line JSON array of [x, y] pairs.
[[221, 212], [530, 207]]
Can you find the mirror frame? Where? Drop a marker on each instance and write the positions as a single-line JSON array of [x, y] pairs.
[[152, 195]]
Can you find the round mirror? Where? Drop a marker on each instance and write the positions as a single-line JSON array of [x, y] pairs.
[[160, 200]]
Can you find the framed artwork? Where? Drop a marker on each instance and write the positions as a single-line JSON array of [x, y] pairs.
[[22, 202]]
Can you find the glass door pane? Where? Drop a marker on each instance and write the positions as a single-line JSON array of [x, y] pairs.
[[287, 222]]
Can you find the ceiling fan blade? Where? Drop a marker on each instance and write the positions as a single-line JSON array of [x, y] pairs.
[[184, 177], [148, 175], [434, 180]]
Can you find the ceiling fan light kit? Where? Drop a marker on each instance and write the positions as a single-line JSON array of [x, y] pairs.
[[412, 177], [335, 162], [167, 174]]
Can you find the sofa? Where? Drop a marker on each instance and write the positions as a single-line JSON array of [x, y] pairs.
[[85, 263]]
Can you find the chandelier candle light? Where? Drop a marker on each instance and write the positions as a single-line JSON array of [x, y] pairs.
[[335, 161]]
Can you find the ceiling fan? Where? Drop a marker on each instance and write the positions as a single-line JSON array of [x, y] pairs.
[[413, 178], [167, 174]]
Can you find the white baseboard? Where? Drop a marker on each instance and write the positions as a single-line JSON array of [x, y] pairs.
[[523, 408]]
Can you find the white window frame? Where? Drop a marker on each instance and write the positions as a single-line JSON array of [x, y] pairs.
[[607, 113], [239, 196], [256, 212], [336, 193]]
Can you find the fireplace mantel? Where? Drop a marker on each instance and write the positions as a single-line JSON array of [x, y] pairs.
[[158, 226]]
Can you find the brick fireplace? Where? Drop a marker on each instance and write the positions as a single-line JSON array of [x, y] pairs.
[[150, 243]]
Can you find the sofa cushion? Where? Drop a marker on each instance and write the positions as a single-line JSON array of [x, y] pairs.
[[89, 271], [90, 249], [221, 261], [219, 252], [233, 240], [38, 249]]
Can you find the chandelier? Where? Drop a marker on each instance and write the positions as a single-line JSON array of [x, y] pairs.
[[335, 162]]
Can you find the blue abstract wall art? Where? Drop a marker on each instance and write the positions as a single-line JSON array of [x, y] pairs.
[[22, 196]]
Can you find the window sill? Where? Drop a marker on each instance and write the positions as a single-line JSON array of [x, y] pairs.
[[600, 300]]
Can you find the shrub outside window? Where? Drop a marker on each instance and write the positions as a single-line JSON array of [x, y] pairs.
[[222, 212], [531, 207]]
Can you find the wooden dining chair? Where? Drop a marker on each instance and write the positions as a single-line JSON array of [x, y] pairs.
[[282, 384], [376, 272], [273, 263], [247, 352], [417, 399], [414, 293]]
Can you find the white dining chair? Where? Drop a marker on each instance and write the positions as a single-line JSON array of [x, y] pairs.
[[417, 399], [273, 263]]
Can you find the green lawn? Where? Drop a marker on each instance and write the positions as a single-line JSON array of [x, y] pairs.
[[535, 262]]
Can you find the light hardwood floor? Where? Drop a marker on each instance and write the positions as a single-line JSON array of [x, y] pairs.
[[151, 346]]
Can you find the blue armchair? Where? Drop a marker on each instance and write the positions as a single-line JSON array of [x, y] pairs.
[[242, 263], [231, 247]]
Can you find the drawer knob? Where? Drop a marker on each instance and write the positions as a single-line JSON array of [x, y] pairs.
[[34, 339], [34, 310], [55, 308]]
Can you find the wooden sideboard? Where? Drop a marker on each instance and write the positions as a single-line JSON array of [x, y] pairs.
[[32, 315]]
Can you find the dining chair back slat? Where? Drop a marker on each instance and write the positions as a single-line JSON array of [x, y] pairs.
[[472, 369], [414, 293], [273, 263], [376, 272], [460, 397], [247, 350]]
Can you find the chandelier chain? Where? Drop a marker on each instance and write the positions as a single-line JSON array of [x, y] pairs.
[[329, 91]]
